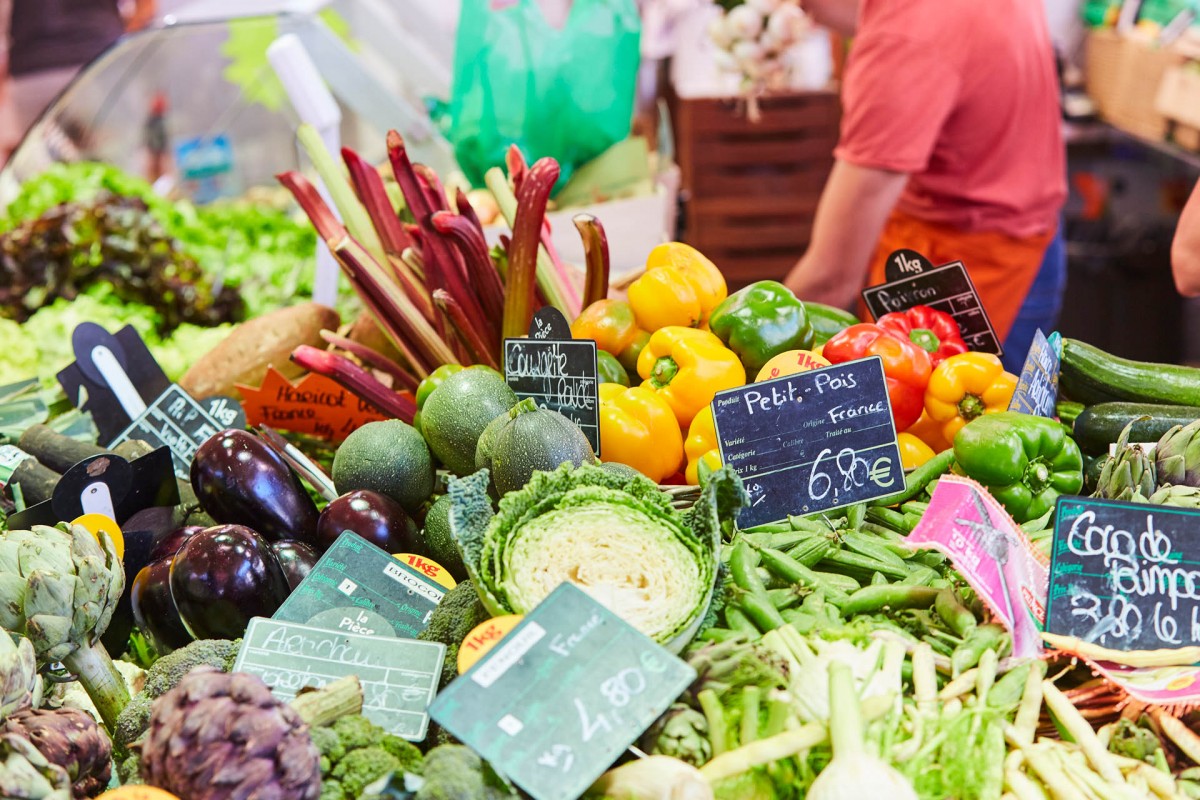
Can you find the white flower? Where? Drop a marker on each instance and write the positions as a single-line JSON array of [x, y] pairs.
[[745, 22]]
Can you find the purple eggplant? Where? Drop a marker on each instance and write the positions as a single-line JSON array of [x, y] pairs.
[[375, 517], [168, 545], [222, 577], [154, 609], [240, 480], [296, 559]]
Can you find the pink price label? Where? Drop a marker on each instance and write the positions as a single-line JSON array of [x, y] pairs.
[[992, 553]]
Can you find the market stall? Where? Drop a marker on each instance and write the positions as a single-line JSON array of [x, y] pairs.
[[544, 502]]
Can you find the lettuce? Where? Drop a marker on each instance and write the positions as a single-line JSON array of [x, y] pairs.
[[618, 539]]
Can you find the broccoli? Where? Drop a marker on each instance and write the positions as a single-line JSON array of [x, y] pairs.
[[455, 772], [458, 613], [355, 752], [164, 674]]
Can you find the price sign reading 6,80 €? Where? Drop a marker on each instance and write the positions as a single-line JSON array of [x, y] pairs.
[[812, 441]]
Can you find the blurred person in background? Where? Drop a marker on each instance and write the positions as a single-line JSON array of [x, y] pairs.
[[49, 41], [951, 145], [1185, 248]]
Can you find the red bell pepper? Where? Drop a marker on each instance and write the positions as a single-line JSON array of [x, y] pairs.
[[905, 365], [934, 331]]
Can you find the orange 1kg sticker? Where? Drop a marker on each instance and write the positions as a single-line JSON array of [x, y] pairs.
[[429, 568], [483, 637], [790, 363]]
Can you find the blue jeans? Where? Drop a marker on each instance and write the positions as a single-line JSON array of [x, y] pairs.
[[1042, 305]]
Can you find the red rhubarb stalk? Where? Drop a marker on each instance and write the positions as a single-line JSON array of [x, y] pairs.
[[373, 359], [467, 329], [368, 185], [481, 272], [595, 250], [522, 256], [355, 379], [465, 209]]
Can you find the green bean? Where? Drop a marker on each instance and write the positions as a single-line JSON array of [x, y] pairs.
[[855, 561], [787, 567], [956, 615], [939, 647], [918, 479], [758, 609], [871, 599], [985, 637]]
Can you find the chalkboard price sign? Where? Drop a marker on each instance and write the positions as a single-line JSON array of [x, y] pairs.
[[181, 423], [558, 699], [358, 588], [399, 676], [1125, 576], [811, 441], [947, 288], [559, 374]]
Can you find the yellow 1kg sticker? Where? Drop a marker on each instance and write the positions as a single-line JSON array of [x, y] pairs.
[[484, 637], [790, 363], [429, 568], [99, 522]]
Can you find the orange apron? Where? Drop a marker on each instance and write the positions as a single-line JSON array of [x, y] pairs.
[[1002, 267]]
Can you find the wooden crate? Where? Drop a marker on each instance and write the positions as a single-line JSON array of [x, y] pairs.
[[1178, 100], [750, 188]]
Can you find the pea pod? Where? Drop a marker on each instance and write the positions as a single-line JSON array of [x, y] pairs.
[[742, 563], [787, 567], [889, 518], [844, 561], [868, 546], [985, 637], [803, 621], [784, 540], [871, 599], [811, 550], [957, 616], [784, 599], [921, 576], [918, 479], [758, 609], [738, 622], [843, 583]]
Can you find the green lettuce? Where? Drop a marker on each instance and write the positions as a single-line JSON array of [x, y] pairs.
[[619, 539]]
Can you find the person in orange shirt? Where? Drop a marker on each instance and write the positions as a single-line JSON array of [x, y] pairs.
[[1185, 248], [951, 145]]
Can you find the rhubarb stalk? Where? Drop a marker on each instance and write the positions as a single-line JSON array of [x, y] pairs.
[[374, 198], [467, 329], [353, 214], [523, 255], [373, 359], [481, 272], [595, 250], [463, 204], [355, 379]]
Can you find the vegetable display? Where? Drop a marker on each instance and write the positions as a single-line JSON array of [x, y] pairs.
[[761, 321]]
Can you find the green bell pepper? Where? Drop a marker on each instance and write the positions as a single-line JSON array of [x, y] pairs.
[[610, 369], [761, 321], [1025, 461], [426, 387]]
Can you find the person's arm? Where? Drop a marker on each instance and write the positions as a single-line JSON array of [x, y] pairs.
[[850, 217], [1185, 248]]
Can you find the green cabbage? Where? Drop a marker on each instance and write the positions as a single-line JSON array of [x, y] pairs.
[[618, 539]]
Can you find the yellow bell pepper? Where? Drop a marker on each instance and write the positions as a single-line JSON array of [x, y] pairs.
[[966, 386], [929, 432], [703, 453], [913, 451], [680, 287], [639, 429], [687, 367]]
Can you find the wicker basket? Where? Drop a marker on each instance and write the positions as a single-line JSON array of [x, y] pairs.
[[1178, 100], [1123, 76]]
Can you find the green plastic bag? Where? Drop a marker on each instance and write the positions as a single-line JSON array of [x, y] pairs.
[[565, 93]]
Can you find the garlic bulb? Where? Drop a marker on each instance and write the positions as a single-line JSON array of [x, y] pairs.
[[744, 22]]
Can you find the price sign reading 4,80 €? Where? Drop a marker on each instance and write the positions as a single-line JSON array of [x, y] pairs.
[[810, 442], [558, 699]]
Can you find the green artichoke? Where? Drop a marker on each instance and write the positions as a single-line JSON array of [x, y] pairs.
[[681, 733], [1177, 455], [59, 588], [25, 774], [1127, 475], [20, 684], [1178, 496]]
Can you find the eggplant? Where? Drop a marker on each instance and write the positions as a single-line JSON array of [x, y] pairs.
[[375, 517], [222, 577], [154, 609], [240, 480], [296, 559], [168, 545], [139, 533]]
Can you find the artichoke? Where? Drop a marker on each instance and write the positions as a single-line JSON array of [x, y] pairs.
[[1129, 474], [25, 774], [20, 684], [71, 739], [219, 736], [60, 588], [1177, 455], [681, 733], [1178, 496]]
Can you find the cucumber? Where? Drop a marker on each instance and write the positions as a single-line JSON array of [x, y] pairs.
[[1098, 426], [1090, 375], [827, 321]]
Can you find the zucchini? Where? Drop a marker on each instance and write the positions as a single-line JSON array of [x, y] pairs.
[[827, 321], [1098, 426], [1090, 375]]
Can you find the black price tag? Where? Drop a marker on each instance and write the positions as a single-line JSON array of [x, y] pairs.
[[181, 423], [358, 588], [1125, 576], [399, 676], [1037, 388], [558, 699], [811, 441], [550, 323], [559, 374], [947, 288]]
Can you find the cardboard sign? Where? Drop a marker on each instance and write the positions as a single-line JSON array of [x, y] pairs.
[[181, 423], [358, 588], [810, 442], [316, 405], [992, 553], [560, 374], [561, 696], [947, 288], [1125, 576], [399, 676], [1037, 388]]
